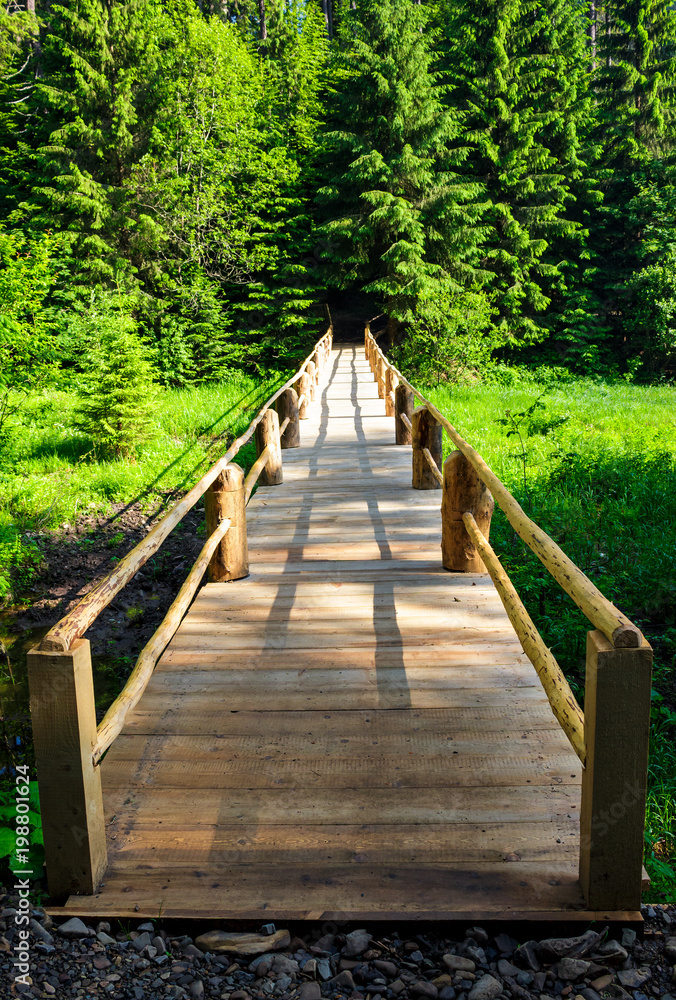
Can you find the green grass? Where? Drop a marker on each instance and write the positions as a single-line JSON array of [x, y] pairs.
[[49, 472], [595, 466]]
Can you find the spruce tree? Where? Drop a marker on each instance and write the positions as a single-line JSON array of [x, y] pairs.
[[402, 224], [515, 69]]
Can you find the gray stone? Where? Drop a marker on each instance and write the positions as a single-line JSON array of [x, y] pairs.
[[324, 968], [149, 926], [326, 942], [397, 987], [458, 963], [345, 979], [268, 929], [505, 944], [506, 968], [243, 944], [310, 991], [611, 951], [670, 949], [589, 994], [44, 948], [284, 966], [356, 943], [633, 978], [39, 931], [73, 929], [570, 969], [141, 941], [196, 989], [475, 952], [105, 938], [525, 954], [486, 988], [572, 947], [310, 968], [628, 939], [448, 993], [389, 968], [159, 945], [423, 989], [478, 933], [525, 978], [283, 983]]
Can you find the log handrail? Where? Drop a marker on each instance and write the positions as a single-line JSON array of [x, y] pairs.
[[255, 471], [74, 624], [563, 702], [436, 472], [603, 615], [113, 721], [404, 419]]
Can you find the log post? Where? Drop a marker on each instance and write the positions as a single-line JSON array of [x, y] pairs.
[[225, 498], [464, 493], [317, 358], [391, 382], [312, 378], [617, 728], [267, 434], [380, 377], [304, 390], [403, 403], [287, 406], [366, 343], [64, 734], [426, 433]]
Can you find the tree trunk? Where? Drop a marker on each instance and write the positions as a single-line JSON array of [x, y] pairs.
[[261, 16]]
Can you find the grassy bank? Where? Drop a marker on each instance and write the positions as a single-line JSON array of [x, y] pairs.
[[595, 466]]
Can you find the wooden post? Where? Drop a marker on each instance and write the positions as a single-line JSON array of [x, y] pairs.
[[391, 382], [403, 403], [463, 493], [225, 498], [312, 379], [316, 357], [64, 734], [287, 406], [617, 728], [267, 433], [366, 343], [380, 377], [426, 433], [304, 390]]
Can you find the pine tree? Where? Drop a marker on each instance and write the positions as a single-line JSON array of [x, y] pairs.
[[405, 227], [515, 69]]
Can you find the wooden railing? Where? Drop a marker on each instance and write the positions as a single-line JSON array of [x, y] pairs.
[[611, 736], [68, 743]]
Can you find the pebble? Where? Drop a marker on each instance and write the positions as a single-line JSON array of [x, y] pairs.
[[570, 969], [356, 943], [73, 929], [486, 988], [506, 968], [308, 991], [633, 977], [457, 963], [423, 989]]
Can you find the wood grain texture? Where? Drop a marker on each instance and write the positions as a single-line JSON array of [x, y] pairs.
[[351, 728], [226, 500]]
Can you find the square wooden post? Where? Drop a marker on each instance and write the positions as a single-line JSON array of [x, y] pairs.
[[617, 730], [64, 733]]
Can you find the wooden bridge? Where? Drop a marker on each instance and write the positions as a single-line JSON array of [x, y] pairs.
[[353, 720]]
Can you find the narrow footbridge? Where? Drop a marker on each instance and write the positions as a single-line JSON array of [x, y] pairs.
[[355, 718]]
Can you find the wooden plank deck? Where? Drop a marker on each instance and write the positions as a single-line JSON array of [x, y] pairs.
[[351, 732]]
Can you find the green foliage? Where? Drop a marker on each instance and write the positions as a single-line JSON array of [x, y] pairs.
[[31, 861], [117, 390]]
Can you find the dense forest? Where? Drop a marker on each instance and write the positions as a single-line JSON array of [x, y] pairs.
[[184, 184]]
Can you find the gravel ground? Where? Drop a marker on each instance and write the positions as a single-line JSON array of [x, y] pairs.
[[71, 959]]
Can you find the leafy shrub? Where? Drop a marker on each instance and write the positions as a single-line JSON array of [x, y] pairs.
[[20, 558], [35, 856]]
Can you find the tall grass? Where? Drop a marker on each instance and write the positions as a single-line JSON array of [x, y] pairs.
[[595, 465]]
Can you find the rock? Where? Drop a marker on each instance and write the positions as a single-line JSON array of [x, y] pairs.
[[573, 947], [159, 945], [443, 980], [505, 944], [389, 968], [308, 991], [242, 944], [73, 929], [239, 995], [326, 942], [589, 994], [149, 926], [416, 956], [310, 968], [196, 989], [448, 993], [506, 968], [475, 952], [570, 969], [633, 978], [39, 931], [282, 984], [324, 969], [139, 943], [525, 954], [457, 963], [397, 987], [423, 989], [344, 979], [105, 938], [356, 943], [284, 966], [539, 982], [486, 988], [478, 933], [670, 949], [628, 939], [611, 952], [602, 982]]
